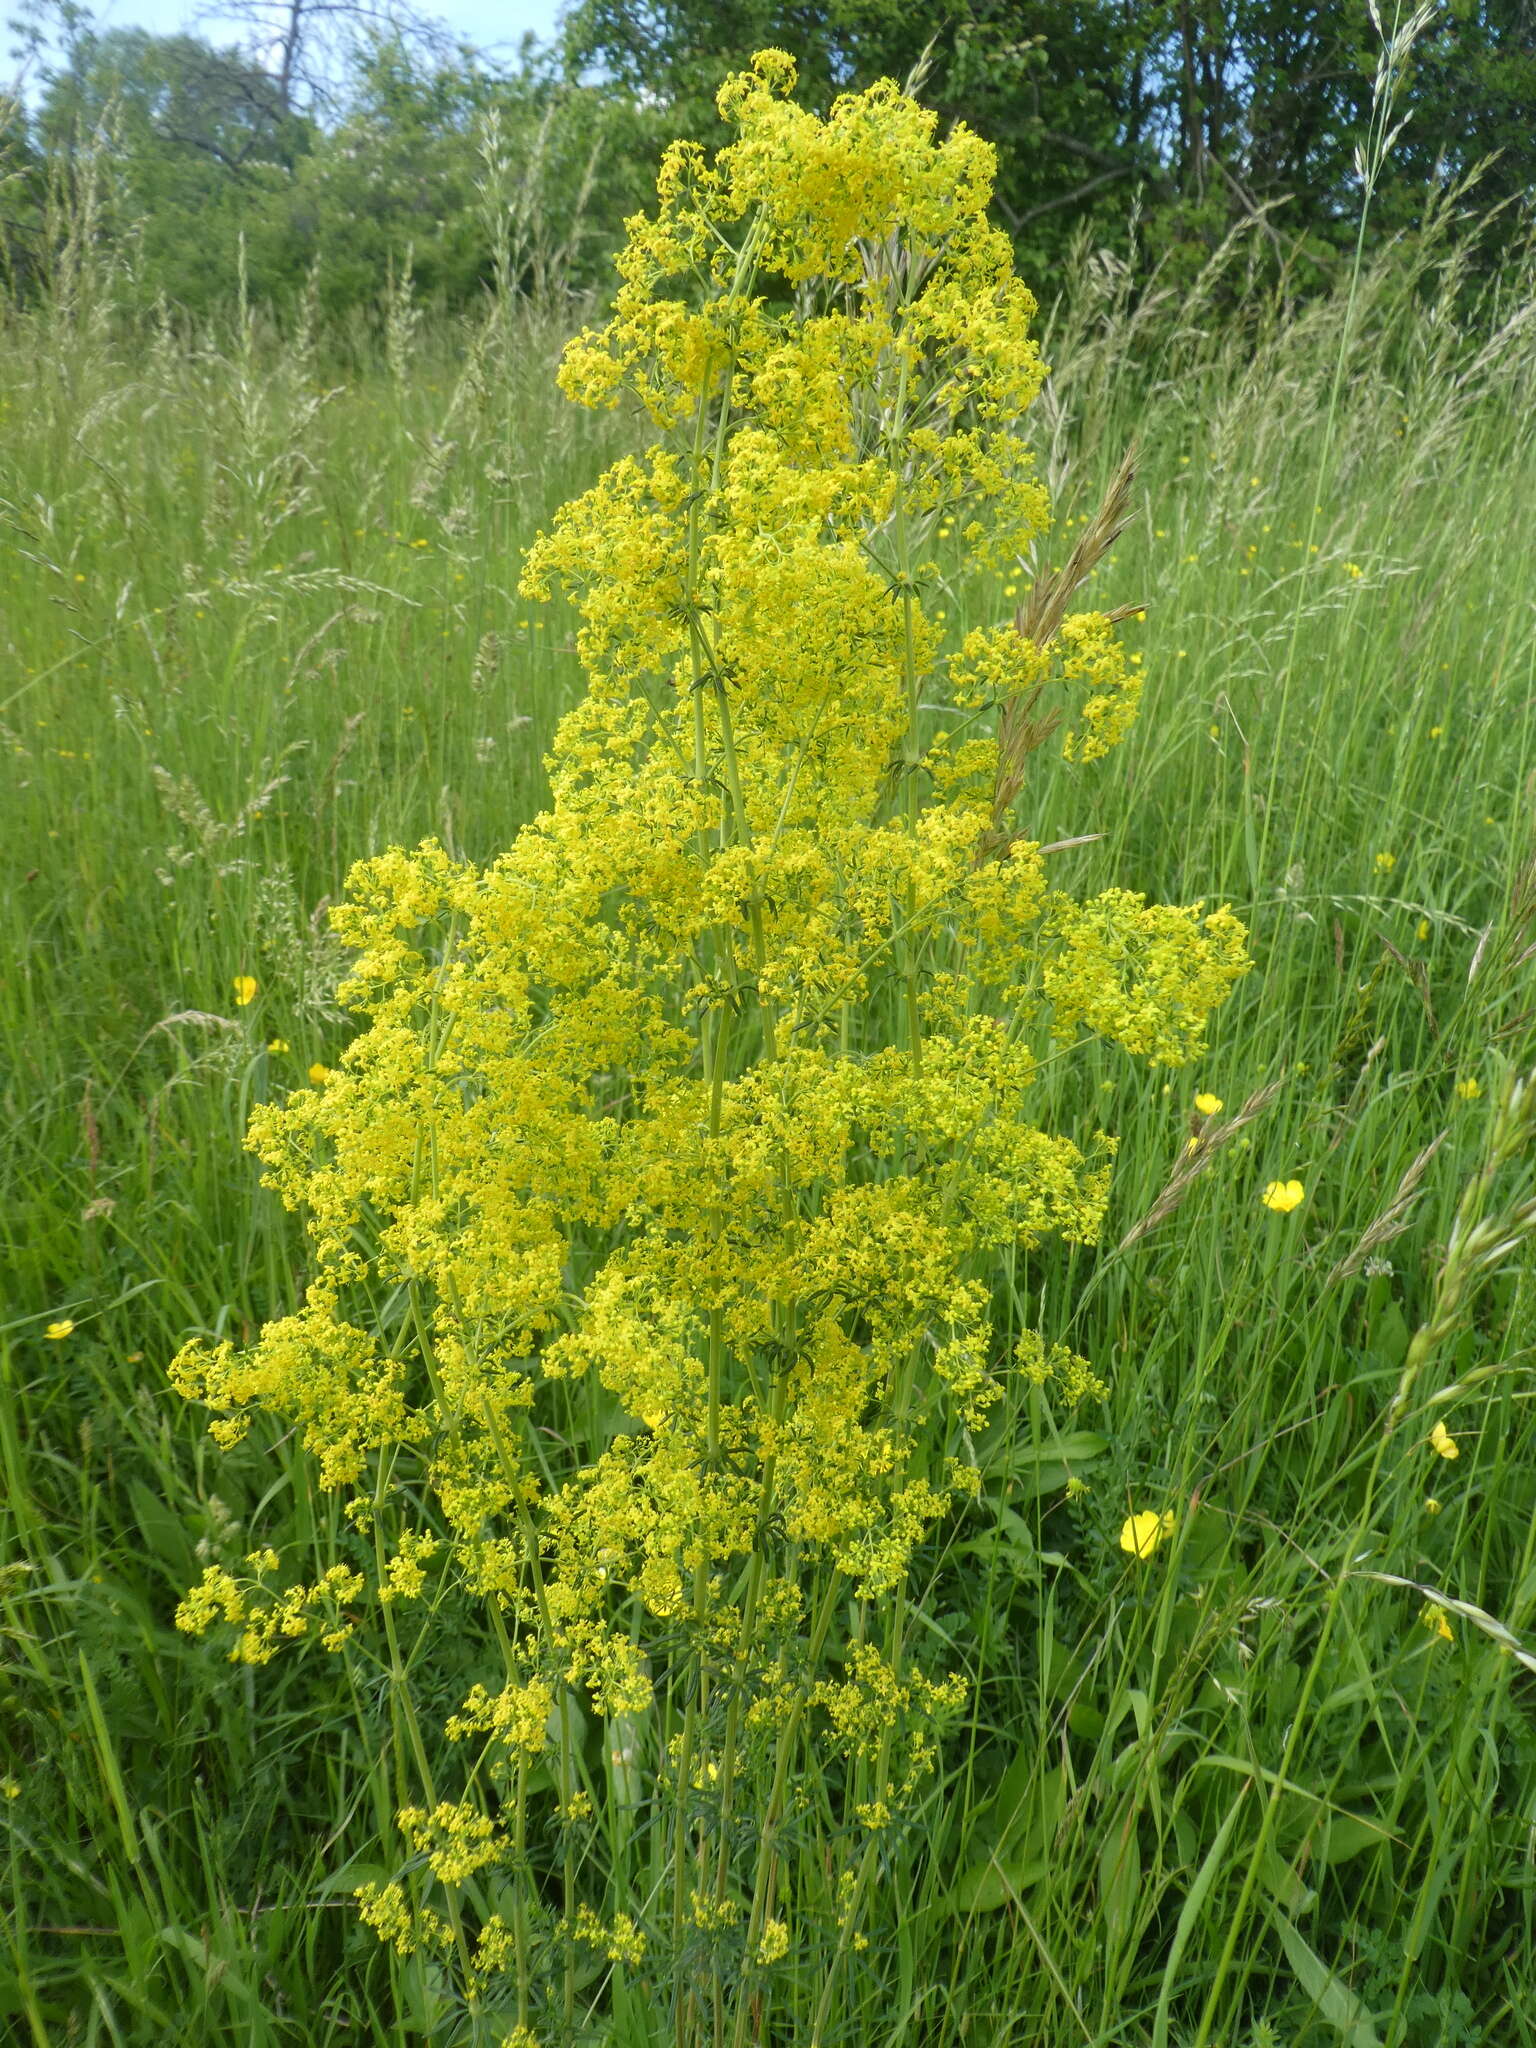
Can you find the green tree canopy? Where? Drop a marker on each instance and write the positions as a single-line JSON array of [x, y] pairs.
[[1216, 109]]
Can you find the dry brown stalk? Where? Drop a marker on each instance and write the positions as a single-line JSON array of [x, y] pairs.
[[1202, 1149], [1023, 727], [1039, 617]]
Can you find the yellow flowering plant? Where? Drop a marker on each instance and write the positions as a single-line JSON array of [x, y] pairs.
[[655, 1210]]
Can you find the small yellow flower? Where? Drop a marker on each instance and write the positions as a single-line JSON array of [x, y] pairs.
[[319, 1075], [773, 1944], [1141, 1534], [1283, 1196], [1441, 1440], [1353, 569], [10, 1788], [244, 986], [1434, 1617], [60, 1330], [1423, 930], [1385, 863], [1431, 1506], [1435, 731], [1208, 1105], [277, 1045], [1470, 1089]]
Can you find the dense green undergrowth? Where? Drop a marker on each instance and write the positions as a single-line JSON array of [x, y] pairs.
[[255, 627]]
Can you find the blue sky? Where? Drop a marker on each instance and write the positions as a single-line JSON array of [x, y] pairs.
[[489, 24]]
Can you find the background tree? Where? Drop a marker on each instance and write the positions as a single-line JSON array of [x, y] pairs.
[[453, 159], [346, 134], [1216, 110], [197, 146], [308, 47]]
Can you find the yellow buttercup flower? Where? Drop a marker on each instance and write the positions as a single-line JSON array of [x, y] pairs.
[[1469, 1089], [60, 1330], [1385, 863], [1441, 1440], [1141, 1534], [1283, 1196], [277, 1045], [1208, 1105], [319, 1075], [244, 986]]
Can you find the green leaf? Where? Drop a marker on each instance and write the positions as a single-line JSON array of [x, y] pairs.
[[997, 1882], [1332, 1997], [1190, 1914], [1013, 1834]]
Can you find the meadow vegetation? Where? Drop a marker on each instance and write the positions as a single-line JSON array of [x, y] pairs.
[[1240, 1747]]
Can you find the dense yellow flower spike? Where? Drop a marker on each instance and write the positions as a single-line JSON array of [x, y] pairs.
[[705, 1111]]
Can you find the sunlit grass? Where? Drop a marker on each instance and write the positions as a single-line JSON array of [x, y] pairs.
[[252, 631]]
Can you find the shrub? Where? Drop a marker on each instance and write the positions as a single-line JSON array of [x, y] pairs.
[[655, 1212]]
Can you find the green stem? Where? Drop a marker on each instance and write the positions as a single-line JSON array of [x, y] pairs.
[[773, 1813]]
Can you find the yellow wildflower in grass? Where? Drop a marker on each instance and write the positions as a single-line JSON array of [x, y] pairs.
[[773, 1944], [1435, 1619], [1470, 1088], [277, 1045], [1283, 1196], [1141, 1534], [1207, 1104], [1431, 1506], [58, 1331], [1385, 863], [739, 1032], [245, 987], [1422, 930], [1441, 1440]]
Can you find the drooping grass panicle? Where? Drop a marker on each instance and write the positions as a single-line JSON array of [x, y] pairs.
[[1196, 1157]]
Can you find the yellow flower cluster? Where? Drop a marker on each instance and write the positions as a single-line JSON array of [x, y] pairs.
[[456, 1839], [620, 1940], [716, 1091], [267, 1619]]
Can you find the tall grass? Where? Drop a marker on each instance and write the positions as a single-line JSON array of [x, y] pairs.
[[260, 619]]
